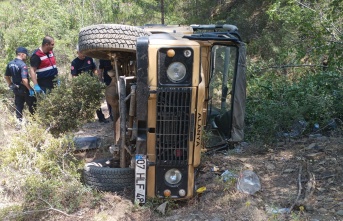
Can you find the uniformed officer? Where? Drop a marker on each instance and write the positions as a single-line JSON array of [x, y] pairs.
[[17, 78], [43, 66], [84, 64]]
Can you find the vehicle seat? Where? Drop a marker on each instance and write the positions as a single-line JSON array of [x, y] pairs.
[[223, 122]]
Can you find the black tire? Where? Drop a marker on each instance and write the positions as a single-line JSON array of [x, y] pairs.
[[97, 41], [101, 175]]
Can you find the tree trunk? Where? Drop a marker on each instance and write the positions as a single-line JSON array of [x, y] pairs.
[[162, 12]]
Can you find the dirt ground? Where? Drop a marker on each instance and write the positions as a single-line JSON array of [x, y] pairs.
[[301, 179]]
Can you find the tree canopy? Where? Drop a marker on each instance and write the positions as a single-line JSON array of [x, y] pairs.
[[279, 32], [287, 39]]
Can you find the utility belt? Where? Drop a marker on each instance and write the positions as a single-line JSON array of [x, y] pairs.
[[20, 89]]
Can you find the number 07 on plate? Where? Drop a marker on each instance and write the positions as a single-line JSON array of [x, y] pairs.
[[140, 178]]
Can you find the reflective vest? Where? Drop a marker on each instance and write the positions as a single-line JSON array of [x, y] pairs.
[[47, 67]]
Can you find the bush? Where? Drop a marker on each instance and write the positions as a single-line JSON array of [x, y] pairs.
[[41, 172], [42, 193], [276, 101], [70, 104]]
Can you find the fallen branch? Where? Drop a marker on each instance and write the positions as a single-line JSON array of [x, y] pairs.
[[299, 190], [290, 66], [310, 186], [57, 210], [294, 66], [44, 210], [320, 178]]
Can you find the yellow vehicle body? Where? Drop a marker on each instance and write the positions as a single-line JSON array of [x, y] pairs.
[[176, 86]]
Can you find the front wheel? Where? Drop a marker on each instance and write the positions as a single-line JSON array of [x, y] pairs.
[[104, 175]]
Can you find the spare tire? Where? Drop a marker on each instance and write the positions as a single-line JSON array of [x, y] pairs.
[[104, 175], [97, 41]]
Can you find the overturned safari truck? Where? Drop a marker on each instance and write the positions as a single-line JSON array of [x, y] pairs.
[[175, 92]]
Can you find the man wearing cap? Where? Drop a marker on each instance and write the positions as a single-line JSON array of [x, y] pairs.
[[43, 66], [83, 64], [17, 78]]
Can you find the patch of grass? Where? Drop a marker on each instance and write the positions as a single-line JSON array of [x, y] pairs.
[[38, 166], [42, 193], [13, 212], [153, 203]]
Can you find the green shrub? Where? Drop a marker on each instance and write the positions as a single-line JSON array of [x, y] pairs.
[[276, 101], [41, 172], [38, 150], [13, 212], [42, 193], [70, 104], [38, 165]]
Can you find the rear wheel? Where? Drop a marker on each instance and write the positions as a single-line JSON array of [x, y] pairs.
[[104, 175], [98, 41]]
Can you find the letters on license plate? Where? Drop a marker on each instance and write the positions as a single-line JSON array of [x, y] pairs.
[[140, 178]]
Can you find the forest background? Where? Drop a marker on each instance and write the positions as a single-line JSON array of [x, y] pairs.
[[294, 73], [290, 43]]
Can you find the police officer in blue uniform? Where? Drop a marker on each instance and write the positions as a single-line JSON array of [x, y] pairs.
[[17, 78], [84, 64]]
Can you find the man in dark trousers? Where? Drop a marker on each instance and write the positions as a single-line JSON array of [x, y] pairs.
[[43, 66], [17, 78], [104, 67], [84, 64]]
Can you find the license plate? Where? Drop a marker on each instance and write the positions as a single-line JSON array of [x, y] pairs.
[[140, 178]]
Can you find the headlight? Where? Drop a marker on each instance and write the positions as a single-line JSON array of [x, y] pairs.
[[176, 72], [173, 176]]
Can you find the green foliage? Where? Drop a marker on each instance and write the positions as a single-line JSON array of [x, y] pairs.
[[278, 32], [229, 184], [42, 193], [63, 19], [5, 92], [41, 170], [37, 150], [70, 104], [275, 102], [38, 162], [286, 53], [312, 31], [12, 213]]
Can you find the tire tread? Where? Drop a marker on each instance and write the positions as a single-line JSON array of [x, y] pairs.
[[100, 177], [98, 40]]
